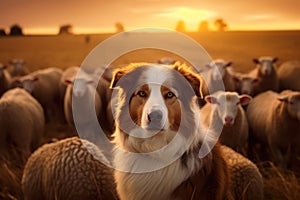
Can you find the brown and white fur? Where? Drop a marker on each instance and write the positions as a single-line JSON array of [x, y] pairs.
[[158, 120]]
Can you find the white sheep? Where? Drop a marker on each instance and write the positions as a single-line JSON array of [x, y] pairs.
[[218, 71], [267, 73], [224, 109], [5, 79], [288, 75], [18, 68], [246, 84], [44, 86], [69, 169], [67, 74], [274, 120], [166, 61], [21, 122], [246, 180], [82, 97]]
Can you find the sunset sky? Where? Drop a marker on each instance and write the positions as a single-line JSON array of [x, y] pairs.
[[92, 16]]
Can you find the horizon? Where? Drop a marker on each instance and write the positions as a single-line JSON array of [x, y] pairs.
[[76, 31], [99, 16]]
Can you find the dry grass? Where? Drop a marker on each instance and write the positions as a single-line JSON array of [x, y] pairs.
[[279, 183], [64, 51]]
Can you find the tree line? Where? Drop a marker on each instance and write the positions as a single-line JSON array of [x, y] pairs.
[[220, 24]]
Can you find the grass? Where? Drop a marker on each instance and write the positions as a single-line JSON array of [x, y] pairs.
[[68, 50]]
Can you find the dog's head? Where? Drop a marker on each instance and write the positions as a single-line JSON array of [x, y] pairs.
[[155, 103]]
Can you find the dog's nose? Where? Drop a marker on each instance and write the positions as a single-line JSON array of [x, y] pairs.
[[155, 116]]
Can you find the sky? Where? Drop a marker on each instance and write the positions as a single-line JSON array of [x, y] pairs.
[[93, 16]]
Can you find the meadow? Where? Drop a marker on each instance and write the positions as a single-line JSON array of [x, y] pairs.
[[63, 51], [67, 50]]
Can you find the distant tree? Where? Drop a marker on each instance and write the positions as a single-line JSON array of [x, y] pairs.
[[220, 24], [203, 26], [16, 30], [180, 26], [66, 29], [119, 27], [2, 32]]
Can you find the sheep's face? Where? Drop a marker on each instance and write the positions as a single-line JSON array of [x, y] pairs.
[[80, 86], [293, 104], [245, 84], [265, 65], [218, 68], [1, 71], [28, 84], [18, 64], [226, 105]]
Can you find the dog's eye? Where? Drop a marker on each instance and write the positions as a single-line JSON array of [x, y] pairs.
[[170, 95], [142, 93]]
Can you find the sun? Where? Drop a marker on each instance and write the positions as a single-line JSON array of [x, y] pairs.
[[191, 17]]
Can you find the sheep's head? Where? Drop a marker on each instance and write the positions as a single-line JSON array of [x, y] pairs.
[[80, 86], [245, 84], [292, 101], [218, 68], [226, 105], [265, 64], [17, 63], [27, 83], [2, 68]]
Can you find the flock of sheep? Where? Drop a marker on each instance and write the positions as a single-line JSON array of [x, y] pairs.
[[259, 112]]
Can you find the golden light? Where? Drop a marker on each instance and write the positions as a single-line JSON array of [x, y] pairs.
[[192, 17]]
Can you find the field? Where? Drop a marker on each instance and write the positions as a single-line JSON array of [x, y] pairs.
[[69, 50]]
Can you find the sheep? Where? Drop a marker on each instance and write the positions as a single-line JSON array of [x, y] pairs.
[[166, 61], [225, 109], [18, 68], [103, 75], [217, 71], [5, 79], [67, 74], [288, 75], [246, 84], [68, 169], [21, 122], [246, 180], [274, 121], [44, 86], [266, 71], [81, 96]]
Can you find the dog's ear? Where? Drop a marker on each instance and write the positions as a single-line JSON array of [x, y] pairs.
[[117, 75], [193, 78], [128, 75]]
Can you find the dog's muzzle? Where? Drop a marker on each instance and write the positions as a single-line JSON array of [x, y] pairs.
[[155, 120]]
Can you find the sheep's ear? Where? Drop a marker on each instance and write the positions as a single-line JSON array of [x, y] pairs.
[[208, 66], [194, 79], [255, 60], [283, 98], [245, 99], [275, 60], [3, 67], [35, 79], [90, 82], [236, 79], [256, 80], [211, 99], [228, 64], [67, 82]]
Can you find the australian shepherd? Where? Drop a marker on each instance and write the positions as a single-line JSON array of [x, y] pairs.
[[162, 152]]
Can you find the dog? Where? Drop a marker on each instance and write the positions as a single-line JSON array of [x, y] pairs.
[[158, 136]]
